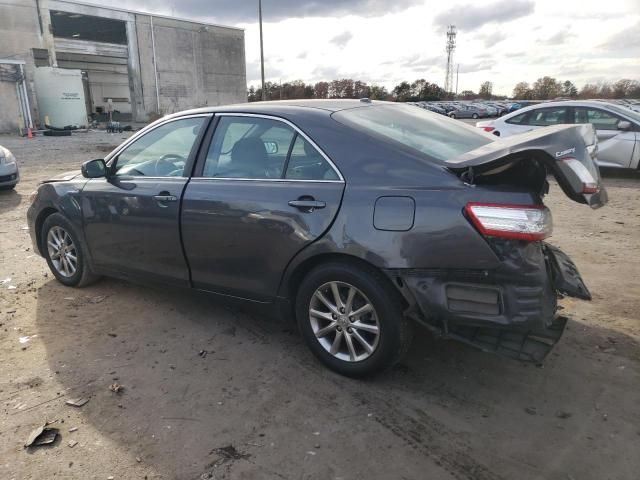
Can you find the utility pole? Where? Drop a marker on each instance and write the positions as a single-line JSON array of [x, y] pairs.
[[264, 93], [451, 46]]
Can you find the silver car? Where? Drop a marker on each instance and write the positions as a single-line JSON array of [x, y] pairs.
[[468, 111], [9, 174], [617, 127]]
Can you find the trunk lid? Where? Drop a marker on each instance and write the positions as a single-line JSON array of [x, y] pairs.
[[567, 151]]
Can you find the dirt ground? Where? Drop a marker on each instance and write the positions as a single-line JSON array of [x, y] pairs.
[[257, 405]]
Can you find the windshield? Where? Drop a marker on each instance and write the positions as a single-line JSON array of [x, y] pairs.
[[416, 128]]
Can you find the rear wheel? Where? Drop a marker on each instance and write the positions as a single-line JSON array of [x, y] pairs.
[[474, 116], [351, 319], [64, 253], [452, 115]]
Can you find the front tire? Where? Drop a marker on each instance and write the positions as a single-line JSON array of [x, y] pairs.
[[64, 252], [351, 319], [474, 116]]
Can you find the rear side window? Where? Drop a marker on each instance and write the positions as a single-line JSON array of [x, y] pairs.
[[416, 128], [548, 116], [519, 119], [306, 163]]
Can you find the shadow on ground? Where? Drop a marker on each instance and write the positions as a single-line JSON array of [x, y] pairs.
[[447, 412]]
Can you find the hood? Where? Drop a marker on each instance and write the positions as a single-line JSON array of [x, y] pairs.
[[63, 177], [568, 151]]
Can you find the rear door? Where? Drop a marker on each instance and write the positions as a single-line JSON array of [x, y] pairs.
[[131, 218], [262, 191], [615, 146]]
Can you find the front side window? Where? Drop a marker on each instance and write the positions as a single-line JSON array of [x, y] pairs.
[[548, 116], [416, 128], [162, 152], [600, 119]]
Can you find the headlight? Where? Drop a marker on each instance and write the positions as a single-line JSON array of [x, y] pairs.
[[7, 158]]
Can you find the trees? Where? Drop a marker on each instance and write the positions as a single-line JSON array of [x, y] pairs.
[[569, 89], [321, 90], [378, 93], [522, 91], [468, 95], [546, 88], [486, 89], [402, 92]]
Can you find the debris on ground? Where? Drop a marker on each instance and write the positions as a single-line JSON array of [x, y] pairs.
[[72, 443], [97, 299], [230, 453], [77, 402], [42, 435], [203, 353], [562, 414], [73, 429], [115, 387], [531, 410]]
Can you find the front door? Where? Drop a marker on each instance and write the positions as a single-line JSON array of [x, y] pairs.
[[615, 146], [262, 192], [132, 217]]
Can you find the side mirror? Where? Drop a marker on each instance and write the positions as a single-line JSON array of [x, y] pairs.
[[624, 125], [94, 168], [271, 147]]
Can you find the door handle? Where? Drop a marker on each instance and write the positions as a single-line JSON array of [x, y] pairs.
[[309, 205], [163, 198]]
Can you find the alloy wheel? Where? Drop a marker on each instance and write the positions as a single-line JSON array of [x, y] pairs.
[[62, 251], [344, 321]]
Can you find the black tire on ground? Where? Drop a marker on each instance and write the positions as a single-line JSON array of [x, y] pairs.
[[83, 275], [452, 115], [57, 133], [395, 331], [474, 116], [8, 187]]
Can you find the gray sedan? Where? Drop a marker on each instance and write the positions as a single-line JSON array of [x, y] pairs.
[[358, 219], [9, 174], [468, 111]]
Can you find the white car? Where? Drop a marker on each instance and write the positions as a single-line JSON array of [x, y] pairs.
[[9, 174], [617, 127]]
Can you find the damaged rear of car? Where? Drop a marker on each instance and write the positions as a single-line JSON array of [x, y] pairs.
[[476, 267]]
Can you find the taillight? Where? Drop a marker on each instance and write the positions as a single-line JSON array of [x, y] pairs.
[[488, 129], [517, 222], [589, 184]]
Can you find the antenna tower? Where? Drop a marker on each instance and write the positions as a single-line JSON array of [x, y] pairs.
[[451, 46]]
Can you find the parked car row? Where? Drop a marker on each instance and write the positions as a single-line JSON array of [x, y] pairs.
[[458, 109], [617, 127]]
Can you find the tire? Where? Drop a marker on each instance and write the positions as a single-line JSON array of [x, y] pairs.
[[57, 229], [57, 133], [452, 115], [386, 347], [474, 116]]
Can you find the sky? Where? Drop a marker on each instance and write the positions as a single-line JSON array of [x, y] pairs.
[[384, 42]]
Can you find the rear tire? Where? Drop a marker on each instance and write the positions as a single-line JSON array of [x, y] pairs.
[[452, 115], [368, 335], [474, 116], [64, 252]]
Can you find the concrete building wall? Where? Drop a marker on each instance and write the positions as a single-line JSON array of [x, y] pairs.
[[197, 65], [19, 33]]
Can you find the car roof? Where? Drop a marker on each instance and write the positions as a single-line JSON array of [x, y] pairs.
[[564, 103], [286, 106]]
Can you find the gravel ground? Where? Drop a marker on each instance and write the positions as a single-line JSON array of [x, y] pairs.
[[258, 406]]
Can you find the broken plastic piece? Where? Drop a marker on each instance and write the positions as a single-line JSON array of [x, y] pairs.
[[77, 402]]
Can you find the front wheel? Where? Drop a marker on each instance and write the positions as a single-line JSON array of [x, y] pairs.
[[64, 253], [351, 319], [452, 115], [474, 116]]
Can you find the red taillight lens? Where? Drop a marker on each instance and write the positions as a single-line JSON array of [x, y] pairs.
[[517, 222], [488, 129]]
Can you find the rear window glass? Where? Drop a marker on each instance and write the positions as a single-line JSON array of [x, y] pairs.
[[429, 133]]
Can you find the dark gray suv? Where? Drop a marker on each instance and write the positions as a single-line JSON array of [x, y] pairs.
[[359, 219]]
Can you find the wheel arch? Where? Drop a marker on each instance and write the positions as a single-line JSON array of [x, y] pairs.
[[40, 219], [294, 277]]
